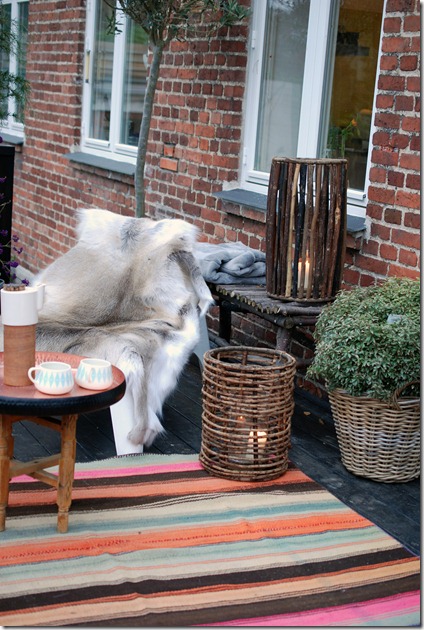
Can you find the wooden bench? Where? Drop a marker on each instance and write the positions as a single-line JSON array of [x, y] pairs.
[[253, 299]]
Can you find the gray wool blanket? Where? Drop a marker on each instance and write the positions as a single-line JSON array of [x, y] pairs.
[[230, 263]]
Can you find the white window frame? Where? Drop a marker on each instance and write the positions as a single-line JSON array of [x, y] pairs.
[[321, 26], [112, 148], [11, 125]]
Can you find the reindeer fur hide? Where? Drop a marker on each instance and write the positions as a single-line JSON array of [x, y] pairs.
[[130, 292]]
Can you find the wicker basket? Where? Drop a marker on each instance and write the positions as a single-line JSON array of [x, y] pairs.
[[378, 440], [247, 408]]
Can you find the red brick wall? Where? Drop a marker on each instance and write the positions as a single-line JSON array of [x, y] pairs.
[[43, 199], [196, 143], [393, 247], [196, 131], [197, 134], [48, 188], [195, 147]]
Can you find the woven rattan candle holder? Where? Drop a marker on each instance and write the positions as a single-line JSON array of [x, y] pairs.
[[247, 408]]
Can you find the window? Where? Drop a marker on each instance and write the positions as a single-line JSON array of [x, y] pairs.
[[114, 84], [15, 27], [312, 74]]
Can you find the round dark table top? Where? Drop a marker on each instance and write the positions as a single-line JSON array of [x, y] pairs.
[[29, 401]]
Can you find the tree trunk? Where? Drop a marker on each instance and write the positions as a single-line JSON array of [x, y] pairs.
[[145, 128]]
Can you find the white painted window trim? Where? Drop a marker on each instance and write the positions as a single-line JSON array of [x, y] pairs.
[[313, 80], [113, 148], [11, 125], [319, 32]]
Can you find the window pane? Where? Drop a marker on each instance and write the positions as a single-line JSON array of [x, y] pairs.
[[5, 26], [282, 80], [102, 74], [352, 96], [134, 83], [23, 39]]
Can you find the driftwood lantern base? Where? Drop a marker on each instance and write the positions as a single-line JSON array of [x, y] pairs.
[[306, 228]]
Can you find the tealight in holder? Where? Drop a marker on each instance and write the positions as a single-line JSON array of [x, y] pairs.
[[306, 229], [247, 408]]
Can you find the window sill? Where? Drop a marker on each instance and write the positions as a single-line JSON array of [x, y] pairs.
[[255, 203], [10, 138], [107, 164], [243, 198]]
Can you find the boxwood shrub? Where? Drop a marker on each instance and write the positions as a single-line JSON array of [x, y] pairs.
[[368, 340]]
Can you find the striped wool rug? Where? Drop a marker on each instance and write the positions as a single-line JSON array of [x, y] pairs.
[[156, 541]]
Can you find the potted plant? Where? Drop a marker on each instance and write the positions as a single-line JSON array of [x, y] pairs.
[[368, 353]]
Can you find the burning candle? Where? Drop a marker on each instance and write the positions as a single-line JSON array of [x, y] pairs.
[[299, 271], [256, 444]]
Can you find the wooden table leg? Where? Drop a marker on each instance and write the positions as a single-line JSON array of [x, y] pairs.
[[66, 471], [6, 452]]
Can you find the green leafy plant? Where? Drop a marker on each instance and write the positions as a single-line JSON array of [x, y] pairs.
[[338, 137], [368, 340]]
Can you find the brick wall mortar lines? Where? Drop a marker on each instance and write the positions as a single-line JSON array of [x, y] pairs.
[[214, 145], [203, 119], [394, 157], [48, 188]]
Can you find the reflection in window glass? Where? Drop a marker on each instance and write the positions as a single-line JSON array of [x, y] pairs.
[[5, 26], [134, 83], [23, 39], [352, 95], [14, 27], [102, 74], [282, 80]]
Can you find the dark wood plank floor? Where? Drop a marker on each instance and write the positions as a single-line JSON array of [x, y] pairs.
[[393, 507]]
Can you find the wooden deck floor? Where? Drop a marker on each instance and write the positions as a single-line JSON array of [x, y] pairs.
[[393, 507]]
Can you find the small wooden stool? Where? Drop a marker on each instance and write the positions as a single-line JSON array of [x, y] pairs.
[[27, 403]]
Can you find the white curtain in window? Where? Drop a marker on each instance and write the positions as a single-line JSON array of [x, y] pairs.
[[283, 65]]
